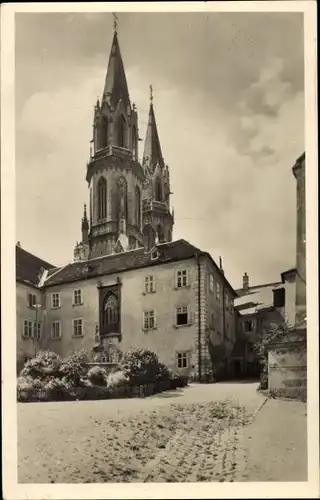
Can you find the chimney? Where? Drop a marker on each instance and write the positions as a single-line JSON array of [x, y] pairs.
[[220, 265], [18, 244], [245, 282]]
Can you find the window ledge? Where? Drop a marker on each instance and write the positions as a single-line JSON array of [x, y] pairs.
[[181, 287], [76, 305], [78, 336], [146, 330], [53, 308], [148, 293], [56, 338], [182, 326]]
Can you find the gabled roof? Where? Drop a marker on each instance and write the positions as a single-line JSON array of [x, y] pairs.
[[135, 259], [152, 154], [29, 267], [115, 87]]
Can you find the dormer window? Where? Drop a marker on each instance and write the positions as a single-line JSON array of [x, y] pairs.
[[154, 254]]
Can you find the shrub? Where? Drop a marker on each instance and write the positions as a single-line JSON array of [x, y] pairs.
[[116, 379], [45, 364], [27, 383], [74, 367], [58, 388], [97, 376], [163, 372], [140, 366]]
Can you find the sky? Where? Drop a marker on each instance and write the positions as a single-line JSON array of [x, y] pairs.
[[229, 105]]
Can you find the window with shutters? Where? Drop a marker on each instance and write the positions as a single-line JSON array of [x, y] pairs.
[[149, 320], [36, 330]]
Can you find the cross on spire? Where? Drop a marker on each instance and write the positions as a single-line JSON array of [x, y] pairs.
[[151, 94], [115, 22]]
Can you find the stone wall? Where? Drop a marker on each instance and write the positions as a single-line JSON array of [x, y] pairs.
[[287, 368]]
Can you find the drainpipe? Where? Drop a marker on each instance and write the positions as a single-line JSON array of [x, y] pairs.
[[199, 319]]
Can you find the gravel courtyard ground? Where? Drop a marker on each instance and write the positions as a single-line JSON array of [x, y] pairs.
[[192, 434]]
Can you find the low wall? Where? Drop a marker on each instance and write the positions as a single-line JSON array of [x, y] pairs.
[[287, 369]]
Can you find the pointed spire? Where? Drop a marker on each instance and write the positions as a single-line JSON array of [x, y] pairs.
[[116, 87], [152, 150], [85, 222]]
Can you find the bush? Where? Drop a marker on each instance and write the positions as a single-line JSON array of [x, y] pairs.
[[116, 379], [74, 367], [45, 364], [58, 388], [140, 366], [27, 383], [97, 376]]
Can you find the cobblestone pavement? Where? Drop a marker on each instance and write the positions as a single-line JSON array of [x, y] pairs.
[[210, 452], [194, 434]]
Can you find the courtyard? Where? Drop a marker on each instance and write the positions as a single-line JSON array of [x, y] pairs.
[[215, 432]]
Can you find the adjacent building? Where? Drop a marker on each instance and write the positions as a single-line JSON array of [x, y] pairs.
[[30, 312]]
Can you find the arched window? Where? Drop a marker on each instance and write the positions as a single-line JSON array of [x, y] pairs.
[[104, 132], [158, 189], [102, 198], [134, 143], [121, 125], [138, 207], [111, 314], [160, 234]]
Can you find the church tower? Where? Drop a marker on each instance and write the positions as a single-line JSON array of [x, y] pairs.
[[157, 218], [114, 174]]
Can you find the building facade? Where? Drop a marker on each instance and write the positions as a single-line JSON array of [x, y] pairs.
[[30, 311], [173, 300]]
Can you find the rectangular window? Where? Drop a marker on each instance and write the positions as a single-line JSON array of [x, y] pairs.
[[31, 299], [226, 301], [149, 284], [211, 283], [248, 325], [218, 291], [77, 297], [77, 327], [149, 320], [27, 329], [55, 300], [182, 360], [182, 315], [56, 330], [279, 297], [36, 330], [182, 278]]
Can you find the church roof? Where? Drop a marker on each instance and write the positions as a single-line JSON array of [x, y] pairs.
[[116, 87], [29, 267], [126, 261], [152, 149]]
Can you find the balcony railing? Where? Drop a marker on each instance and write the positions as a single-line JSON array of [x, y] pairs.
[[149, 204]]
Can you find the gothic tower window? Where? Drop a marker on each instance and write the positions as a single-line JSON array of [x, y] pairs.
[[121, 125], [158, 189], [102, 198], [138, 207], [111, 314], [104, 132]]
